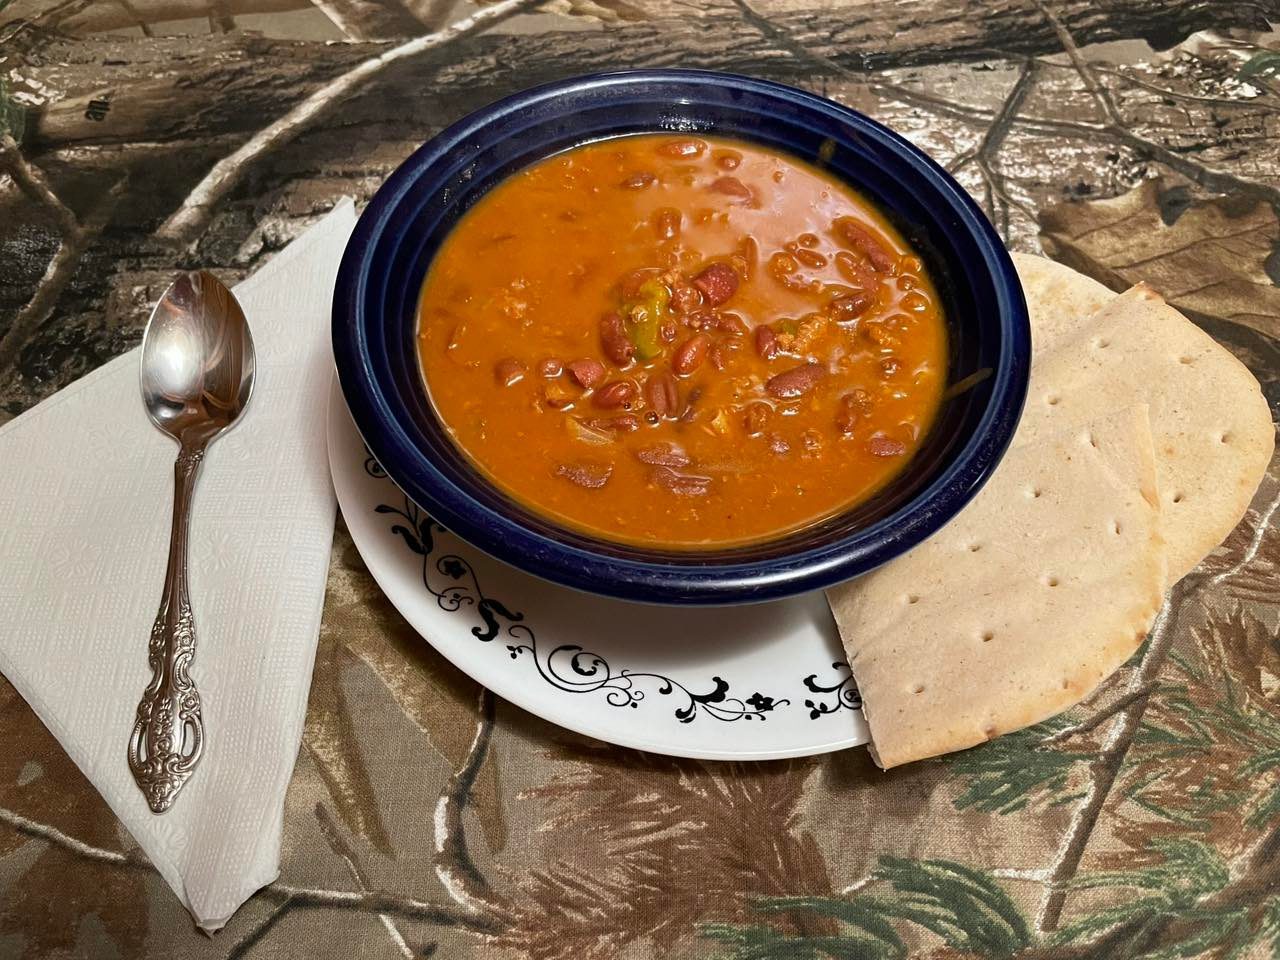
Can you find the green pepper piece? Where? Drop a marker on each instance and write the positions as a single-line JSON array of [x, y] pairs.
[[644, 318]]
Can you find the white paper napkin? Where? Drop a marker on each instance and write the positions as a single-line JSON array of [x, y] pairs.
[[85, 496]]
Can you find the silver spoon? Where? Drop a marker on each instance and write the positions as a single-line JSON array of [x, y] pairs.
[[197, 375]]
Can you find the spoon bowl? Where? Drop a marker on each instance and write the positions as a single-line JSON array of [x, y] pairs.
[[198, 361]]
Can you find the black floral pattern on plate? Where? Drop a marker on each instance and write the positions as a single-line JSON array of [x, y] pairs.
[[844, 693], [568, 667]]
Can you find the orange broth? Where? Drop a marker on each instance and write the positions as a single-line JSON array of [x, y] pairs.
[[681, 342]]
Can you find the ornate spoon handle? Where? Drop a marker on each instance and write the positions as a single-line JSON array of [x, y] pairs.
[[168, 735]]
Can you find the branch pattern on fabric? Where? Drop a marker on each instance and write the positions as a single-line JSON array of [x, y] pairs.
[[186, 221]]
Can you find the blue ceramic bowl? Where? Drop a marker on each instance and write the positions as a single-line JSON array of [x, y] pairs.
[[374, 326]]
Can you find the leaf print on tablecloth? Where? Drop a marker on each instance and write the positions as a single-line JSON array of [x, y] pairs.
[[640, 849], [330, 737], [966, 908], [1242, 649], [362, 630], [49, 903], [1187, 902], [1045, 765], [1011, 772], [1208, 752], [1215, 258], [1183, 872]]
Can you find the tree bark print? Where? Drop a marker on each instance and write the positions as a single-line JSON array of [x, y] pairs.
[[1143, 823]]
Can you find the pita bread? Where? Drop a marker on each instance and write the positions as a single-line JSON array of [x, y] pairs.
[[1023, 604], [1210, 422], [1059, 299]]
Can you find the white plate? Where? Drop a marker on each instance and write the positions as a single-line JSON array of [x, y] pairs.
[[731, 683]]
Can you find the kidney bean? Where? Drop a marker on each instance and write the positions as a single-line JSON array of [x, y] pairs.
[[614, 340], [733, 188], [766, 342], [681, 484], [808, 240], [849, 308], [756, 417], [731, 324], [795, 382], [782, 267], [881, 446], [666, 223], [638, 181], [853, 407], [550, 368], [858, 272], [727, 159], [690, 354], [667, 331], [812, 260], [865, 242], [587, 373], [631, 283], [691, 405], [685, 297], [509, 371], [588, 474], [619, 393], [915, 302], [623, 423], [718, 283], [682, 148], [663, 394], [663, 454]]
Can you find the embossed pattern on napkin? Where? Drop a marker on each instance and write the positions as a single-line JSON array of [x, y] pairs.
[[85, 492]]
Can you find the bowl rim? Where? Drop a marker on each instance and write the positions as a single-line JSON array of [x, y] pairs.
[[711, 583]]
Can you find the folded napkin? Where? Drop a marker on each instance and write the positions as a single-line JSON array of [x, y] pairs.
[[85, 495]]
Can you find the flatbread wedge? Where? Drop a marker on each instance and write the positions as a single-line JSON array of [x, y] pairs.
[[1210, 422], [1059, 299], [1017, 609]]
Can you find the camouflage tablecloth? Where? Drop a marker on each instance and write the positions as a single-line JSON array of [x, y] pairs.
[[1133, 139]]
